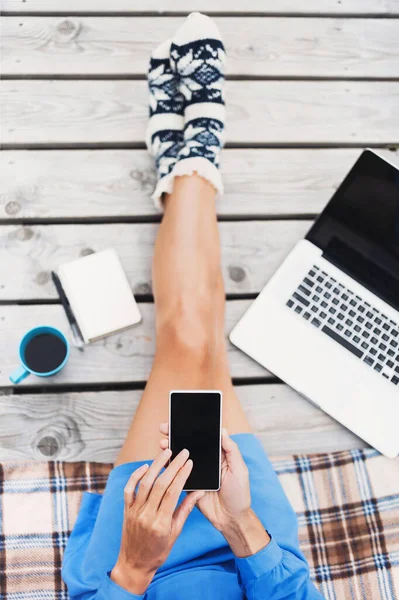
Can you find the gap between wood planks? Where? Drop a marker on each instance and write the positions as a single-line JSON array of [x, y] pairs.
[[148, 219], [139, 77], [390, 146], [169, 14], [115, 386], [143, 298]]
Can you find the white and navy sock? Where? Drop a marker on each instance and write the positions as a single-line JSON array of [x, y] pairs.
[[164, 137], [187, 111], [198, 58]]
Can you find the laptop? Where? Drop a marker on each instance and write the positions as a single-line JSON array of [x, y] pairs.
[[327, 322]]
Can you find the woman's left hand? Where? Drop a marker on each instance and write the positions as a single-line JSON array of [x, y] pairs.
[[233, 501], [229, 509]]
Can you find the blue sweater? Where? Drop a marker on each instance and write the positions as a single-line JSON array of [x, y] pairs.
[[201, 565]]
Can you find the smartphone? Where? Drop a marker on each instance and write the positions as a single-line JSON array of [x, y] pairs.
[[195, 422]]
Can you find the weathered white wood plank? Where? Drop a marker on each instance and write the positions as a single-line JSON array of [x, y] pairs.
[[259, 112], [92, 426], [258, 47], [51, 184], [380, 7], [122, 357], [115, 183], [250, 254]]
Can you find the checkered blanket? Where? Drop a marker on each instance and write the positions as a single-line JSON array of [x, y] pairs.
[[347, 505]]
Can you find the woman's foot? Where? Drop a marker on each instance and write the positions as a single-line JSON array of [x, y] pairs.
[[186, 129], [197, 61], [198, 58], [164, 137]]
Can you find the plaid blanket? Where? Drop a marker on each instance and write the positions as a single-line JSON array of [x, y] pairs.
[[347, 505]]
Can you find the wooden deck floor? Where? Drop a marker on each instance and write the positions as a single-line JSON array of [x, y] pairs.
[[310, 84]]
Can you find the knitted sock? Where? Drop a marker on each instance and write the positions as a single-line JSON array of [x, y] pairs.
[[198, 58], [164, 136]]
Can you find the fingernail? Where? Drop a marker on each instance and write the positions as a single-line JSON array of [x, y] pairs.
[[224, 431], [167, 451], [185, 452]]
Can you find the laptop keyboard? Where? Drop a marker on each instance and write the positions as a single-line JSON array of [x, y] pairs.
[[350, 321]]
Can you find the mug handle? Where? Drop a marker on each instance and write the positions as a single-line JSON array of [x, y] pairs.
[[19, 375]]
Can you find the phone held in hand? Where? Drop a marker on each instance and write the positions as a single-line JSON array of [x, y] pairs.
[[195, 422]]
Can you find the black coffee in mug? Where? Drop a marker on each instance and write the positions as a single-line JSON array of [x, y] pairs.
[[45, 352]]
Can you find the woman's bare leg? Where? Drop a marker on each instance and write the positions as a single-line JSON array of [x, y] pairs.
[[189, 299]]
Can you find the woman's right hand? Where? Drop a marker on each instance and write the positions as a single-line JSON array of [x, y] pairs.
[[229, 509], [152, 522]]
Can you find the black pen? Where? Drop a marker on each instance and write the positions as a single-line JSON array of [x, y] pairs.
[[77, 336]]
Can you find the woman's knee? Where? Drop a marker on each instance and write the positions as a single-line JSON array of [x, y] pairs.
[[187, 330]]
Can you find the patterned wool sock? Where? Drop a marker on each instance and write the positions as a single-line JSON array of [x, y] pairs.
[[164, 136], [198, 58], [193, 99]]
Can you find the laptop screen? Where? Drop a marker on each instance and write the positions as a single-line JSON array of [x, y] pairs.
[[359, 229]]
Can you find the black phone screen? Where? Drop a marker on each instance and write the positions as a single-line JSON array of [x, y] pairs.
[[195, 419]]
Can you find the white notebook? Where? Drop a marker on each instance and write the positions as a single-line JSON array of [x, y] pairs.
[[99, 294]]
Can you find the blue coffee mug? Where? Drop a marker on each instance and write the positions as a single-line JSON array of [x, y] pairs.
[[23, 370]]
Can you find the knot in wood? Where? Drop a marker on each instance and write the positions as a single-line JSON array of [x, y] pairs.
[[12, 208], [146, 178], [122, 346], [48, 446], [59, 438], [86, 251], [66, 26], [237, 274], [43, 277], [67, 30], [23, 234]]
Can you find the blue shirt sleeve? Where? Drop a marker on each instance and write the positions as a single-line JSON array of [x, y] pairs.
[[276, 574], [109, 590]]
